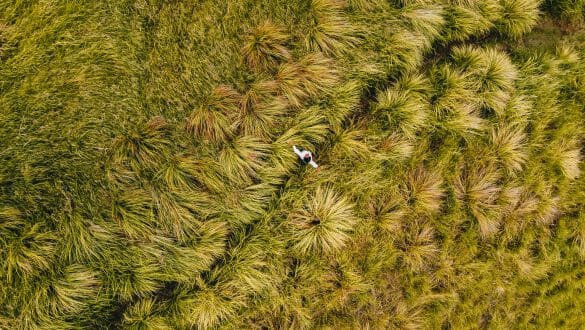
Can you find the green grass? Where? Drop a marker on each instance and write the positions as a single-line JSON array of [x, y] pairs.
[[147, 179]]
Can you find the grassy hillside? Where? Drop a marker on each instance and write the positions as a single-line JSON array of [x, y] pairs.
[[147, 179]]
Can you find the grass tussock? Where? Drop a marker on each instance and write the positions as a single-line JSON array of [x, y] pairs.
[[423, 190], [242, 158], [141, 315], [478, 188], [145, 146], [211, 121], [29, 254], [425, 19], [309, 76], [519, 17], [405, 111], [330, 32], [266, 46], [509, 145], [323, 226], [470, 17], [418, 247], [569, 157], [492, 73]]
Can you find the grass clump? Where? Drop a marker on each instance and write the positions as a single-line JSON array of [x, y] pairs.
[[325, 223], [266, 46], [518, 17], [330, 33], [211, 122]]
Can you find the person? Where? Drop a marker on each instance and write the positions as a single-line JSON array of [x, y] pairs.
[[305, 156]]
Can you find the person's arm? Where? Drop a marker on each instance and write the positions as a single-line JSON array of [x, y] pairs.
[[297, 151], [312, 163]]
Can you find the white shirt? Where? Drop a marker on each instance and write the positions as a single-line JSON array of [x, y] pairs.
[[302, 154]]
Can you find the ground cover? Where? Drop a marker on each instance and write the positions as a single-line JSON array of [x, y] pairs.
[[148, 179]]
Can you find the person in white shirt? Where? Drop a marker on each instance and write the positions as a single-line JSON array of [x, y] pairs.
[[305, 156]]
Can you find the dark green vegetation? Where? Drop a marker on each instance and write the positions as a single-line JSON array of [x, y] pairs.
[[147, 181], [570, 11]]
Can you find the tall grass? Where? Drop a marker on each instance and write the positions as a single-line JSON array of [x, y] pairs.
[[211, 121], [147, 178], [325, 223], [330, 32], [266, 46]]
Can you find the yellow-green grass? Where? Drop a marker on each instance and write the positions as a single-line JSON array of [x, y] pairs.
[[147, 179]]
